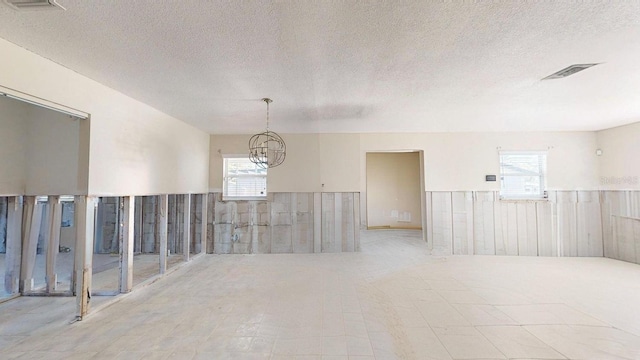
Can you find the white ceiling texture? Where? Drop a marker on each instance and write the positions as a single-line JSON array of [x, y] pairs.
[[353, 66]]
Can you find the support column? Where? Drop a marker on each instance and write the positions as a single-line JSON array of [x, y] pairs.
[[32, 220], [55, 219], [186, 230], [127, 243], [204, 223], [85, 207], [14, 245], [162, 221]]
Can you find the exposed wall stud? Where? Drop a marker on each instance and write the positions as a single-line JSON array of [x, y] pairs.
[[14, 245], [162, 221], [55, 219], [85, 207], [204, 223], [127, 242], [317, 222], [33, 218], [186, 230]]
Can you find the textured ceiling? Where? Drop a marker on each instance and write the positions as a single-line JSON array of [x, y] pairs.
[[353, 66]]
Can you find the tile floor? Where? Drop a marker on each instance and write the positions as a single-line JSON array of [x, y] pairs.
[[390, 301]]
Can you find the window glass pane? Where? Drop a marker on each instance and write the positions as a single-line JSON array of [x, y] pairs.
[[236, 166], [522, 174], [521, 164], [244, 178]]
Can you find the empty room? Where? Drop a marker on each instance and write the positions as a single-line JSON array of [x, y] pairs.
[[319, 180]]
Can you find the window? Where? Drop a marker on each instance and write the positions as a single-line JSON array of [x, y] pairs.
[[523, 174], [243, 179]]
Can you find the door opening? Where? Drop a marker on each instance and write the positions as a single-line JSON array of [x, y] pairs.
[[394, 190]]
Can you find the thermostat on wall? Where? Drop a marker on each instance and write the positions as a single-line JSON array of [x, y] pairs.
[[490, 178]]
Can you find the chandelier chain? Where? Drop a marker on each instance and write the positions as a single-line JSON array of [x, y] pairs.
[[267, 101]]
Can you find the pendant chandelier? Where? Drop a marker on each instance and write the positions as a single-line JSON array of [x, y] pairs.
[[267, 149]]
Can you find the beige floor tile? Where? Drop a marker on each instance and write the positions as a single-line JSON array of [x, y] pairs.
[[548, 314], [467, 343], [517, 343], [334, 345], [356, 328], [483, 314], [461, 297], [10, 355], [588, 342], [155, 355], [359, 346], [309, 346], [427, 346], [390, 301], [441, 315]]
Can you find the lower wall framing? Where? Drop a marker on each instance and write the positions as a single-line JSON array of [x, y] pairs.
[[285, 223], [568, 223]]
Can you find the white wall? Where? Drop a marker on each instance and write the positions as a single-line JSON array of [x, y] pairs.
[[314, 162], [133, 149], [452, 161], [459, 161], [296, 174], [13, 133], [339, 162], [619, 166], [39, 152], [52, 153]]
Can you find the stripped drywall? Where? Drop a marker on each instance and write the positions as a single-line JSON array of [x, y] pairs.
[[621, 225], [285, 223], [468, 223], [619, 170]]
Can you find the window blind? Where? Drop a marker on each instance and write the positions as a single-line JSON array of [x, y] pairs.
[[242, 178], [523, 175]]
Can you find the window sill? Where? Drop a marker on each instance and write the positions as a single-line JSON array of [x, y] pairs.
[[244, 198], [523, 199]]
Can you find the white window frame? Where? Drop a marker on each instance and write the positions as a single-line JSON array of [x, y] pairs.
[[542, 174], [225, 179]]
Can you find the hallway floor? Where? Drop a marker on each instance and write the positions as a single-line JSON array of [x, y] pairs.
[[390, 301]]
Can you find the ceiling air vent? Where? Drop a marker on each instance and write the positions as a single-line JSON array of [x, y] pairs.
[[569, 71], [34, 5]]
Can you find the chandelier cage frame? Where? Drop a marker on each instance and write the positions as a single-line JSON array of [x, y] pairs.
[[267, 149]]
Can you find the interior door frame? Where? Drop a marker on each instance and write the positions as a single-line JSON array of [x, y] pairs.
[[423, 199]]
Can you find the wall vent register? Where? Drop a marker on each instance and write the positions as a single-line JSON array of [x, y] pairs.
[[568, 71], [34, 5]]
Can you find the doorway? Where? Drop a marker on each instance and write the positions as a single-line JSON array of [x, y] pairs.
[[395, 196], [42, 162]]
